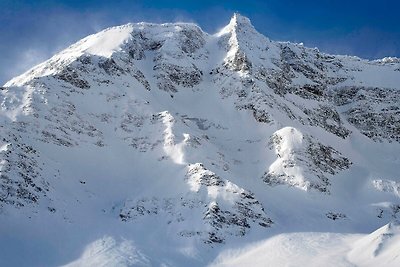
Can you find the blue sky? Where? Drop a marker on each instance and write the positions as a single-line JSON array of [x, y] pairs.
[[31, 31]]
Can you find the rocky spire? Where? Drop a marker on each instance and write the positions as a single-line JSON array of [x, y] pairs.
[[238, 23]]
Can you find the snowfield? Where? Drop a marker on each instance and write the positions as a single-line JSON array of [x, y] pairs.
[[379, 248], [162, 145]]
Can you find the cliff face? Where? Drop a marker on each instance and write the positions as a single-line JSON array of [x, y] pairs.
[[164, 131]]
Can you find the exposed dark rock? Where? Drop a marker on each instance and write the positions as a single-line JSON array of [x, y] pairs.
[[170, 75], [72, 77], [335, 216], [316, 159], [329, 119], [374, 111], [21, 181], [111, 67]]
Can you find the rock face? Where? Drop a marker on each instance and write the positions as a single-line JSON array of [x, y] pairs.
[[372, 110], [303, 161], [233, 214], [21, 177], [193, 135]]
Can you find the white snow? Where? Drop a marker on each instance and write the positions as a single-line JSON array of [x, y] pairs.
[[106, 42], [171, 148], [291, 140], [108, 252], [380, 248], [387, 186], [135, 148]]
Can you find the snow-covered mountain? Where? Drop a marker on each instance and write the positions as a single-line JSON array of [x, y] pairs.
[[160, 144]]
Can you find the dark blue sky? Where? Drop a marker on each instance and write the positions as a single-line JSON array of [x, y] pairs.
[[31, 31]]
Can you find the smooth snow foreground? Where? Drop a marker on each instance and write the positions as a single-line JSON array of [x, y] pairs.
[[379, 248]]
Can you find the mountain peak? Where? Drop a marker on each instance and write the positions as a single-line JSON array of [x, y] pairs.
[[237, 23], [238, 20]]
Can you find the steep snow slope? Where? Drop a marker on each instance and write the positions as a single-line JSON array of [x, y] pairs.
[[160, 144]]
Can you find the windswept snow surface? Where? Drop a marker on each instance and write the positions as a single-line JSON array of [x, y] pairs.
[[162, 145], [380, 248]]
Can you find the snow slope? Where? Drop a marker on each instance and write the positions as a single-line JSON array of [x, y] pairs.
[[160, 144], [379, 248]]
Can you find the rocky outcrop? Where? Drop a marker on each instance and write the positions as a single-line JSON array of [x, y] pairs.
[[303, 161], [226, 209], [374, 111], [21, 180]]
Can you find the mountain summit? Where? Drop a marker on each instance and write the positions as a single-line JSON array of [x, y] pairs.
[[160, 144], [239, 23]]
